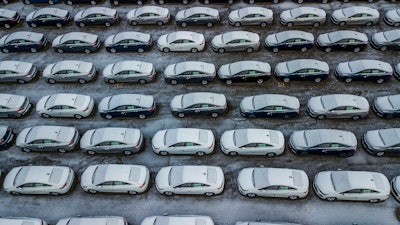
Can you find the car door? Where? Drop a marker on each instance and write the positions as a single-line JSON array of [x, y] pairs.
[[356, 18], [269, 191], [336, 112], [33, 188], [119, 186], [46, 19], [191, 147], [8, 76], [185, 188], [200, 188], [105, 186], [248, 149], [330, 149], [43, 145], [176, 45], [265, 112], [133, 110], [104, 146], [131, 75], [395, 44], [119, 111], [193, 109], [353, 194], [177, 148]]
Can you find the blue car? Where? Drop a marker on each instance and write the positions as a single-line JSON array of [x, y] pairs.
[[127, 105], [48, 17], [6, 137], [289, 40], [51, 2], [22, 41], [128, 41]]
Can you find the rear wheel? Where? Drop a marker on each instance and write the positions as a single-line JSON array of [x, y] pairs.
[[81, 81], [88, 51], [142, 116], [316, 24], [160, 23], [7, 26], [27, 2], [115, 2], [181, 115], [271, 154], [331, 199], [69, 2], [194, 50], [328, 49], [131, 192], [379, 81], [260, 81], [61, 150], [356, 49], [233, 153], [214, 115], [380, 154], [204, 82], [251, 195], [59, 25], [293, 197], [20, 81], [126, 152], [264, 24], [77, 116], [356, 117], [368, 24], [200, 153], [33, 50], [209, 194], [54, 193], [209, 24], [93, 2], [15, 193], [141, 81], [140, 50]]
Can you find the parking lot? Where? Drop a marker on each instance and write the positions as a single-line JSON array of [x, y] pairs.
[[229, 207]]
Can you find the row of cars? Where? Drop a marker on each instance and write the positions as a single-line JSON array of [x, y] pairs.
[[198, 104], [354, 15], [187, 41], [203, 180], [193, 141]]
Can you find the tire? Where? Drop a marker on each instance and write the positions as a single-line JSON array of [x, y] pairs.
[[275, 1], [230, 2], [206, 2], [228, 81], [78, 117], [59, 25], [286, 117], [163, 153], [330, 199], [113, 50], [275, 50], [160, 23], [26, 150], [59, 50], [324, 1], [4, 50], [185, 2], [356, 117], [383, 48], [251, 2], [45, 115], [69, 2], [81, 81], [209, 24], [131, 192], [321, 117], [166, 50], [173, 82], [316, 24], [317, 80], [271, 154], [5, 2], [139, 2], [194, 50], [88, 51], [7, 26], [251, 195], [200, 153], [133, 23], [221, 50], [286, 79], [115, 2], [108, 116], [368, 24], [181, 115], [260, 81], [183, 24], [33, 50], [380, 154], [204, 82], [14, 193], [290, 24], [142, 116], [91, 191], [27, 2], [214, 115], [209, 194], [81, 24], [33, 25], [20, 81], [233, 153], [237, 24], [127, 152], [61, 150], [388, 116], [168, 193], [356, 49], [293, 197], [249, 50], [396, 24], [374, 200], [342, 23], [51, 2], [93, 2], [111, 81], [264, 24], [55, 193], [303, 49], [299, 1], [328, 49], [379, 81], [141, 81], [91, 152], [140, 50], [348, 80], [161, 2]]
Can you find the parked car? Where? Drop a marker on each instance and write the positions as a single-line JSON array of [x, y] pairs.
[[252, 142], [342, 40], [20, 41], [96, 16], [76, 42], [392, 17], [195, 180], [198, 103], [183, 141], [190, 72], [290, 40], [338, 106], [197, 16], [323, 142], [127, 105], [112, 140], [183, 41], [50, 2], [53, 180], [397, 71], [92, 2], [129, 71], [264, 223], [364, 69], [117, 2], [93, 220], [242, 71], [303, 16], [261, 1], [21, 220], [270, 105], [14, 106], [236, 41], [387, 106], [183, 220], [206, 2], [383, 141], [17, 71], [6, 138], [48, 138], [316, 1], [129, 41], [273, 182], [386, 40], [48, 17], [302, 69], [65, 105], [259, 16], [352, 185], [115, 178], [395, 184], [69, 71], [9, 18], [149, 15], [355, 15]]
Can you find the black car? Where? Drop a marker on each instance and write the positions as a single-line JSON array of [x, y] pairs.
[[76, 42], [289, 40], [197, 16], [139, 2], [92, 2], [127, 105], [302, 69], [190, 72], [364, 70], [96, 16], [243, 71], [23, 41], [48, 17], [9, 18], [342, 40], [386, 40], [6, 137]]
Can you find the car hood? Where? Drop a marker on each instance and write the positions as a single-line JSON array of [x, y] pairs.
[[48, 69], [131, 14], [3, 39], [176, 103], [247, 103], [78, 15], [217, 40], [379, 38], [180, 15], [223, 71], [315, 104], [285, 16], [57, 41], [9, 179], [245, 178], [373, 139], [324, 182], [392, 14], [298, 140], [107, 71], [162, 40], [281, 68], [158, 139], [383, 104], [343, 68], [271, 40], [323, 39], [109, 40], [87, 175], [162, 181], [29, 17], [169, 70], [20, 141], [234, 15], [227, 139], [85, 139], [338, 14], [103, 105], [40, 104]]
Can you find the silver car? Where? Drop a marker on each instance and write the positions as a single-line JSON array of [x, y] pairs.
[[251, 16], [352, 185], [17, 71], [252, 142], [364, 69], [114, 220], [236, 41], [245, 71], [190, 71], [382, 141], [48, 138], [65, 105], [129, 71], [112, 140], [184, 41], [302, 69], [386, 40], [14, 106], [342, 39], [149, 15], [21, 221], [69, 71], [183, 141], [115, 178], [392, 17], [303, 16], [338, 106], [177, 219], [355, 15], [76, 42], [53, 180]]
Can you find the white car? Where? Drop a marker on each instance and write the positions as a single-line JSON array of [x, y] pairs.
[[175, 220], [251, 16], [21, 221], [69, 71], [183, 141], [53, 180], [236, 41], [194, 180], [392, 17], [355, 15], [129, 71], [264, 223], [65, 105], [105, 220], [252, 142], [149, 14], [273, 182], [352, 185], [303, 16], [184, 41], [115, 178]]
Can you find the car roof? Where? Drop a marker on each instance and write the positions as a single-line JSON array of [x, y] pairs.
[[51, 11], [20, 221], [347, 180], [239, 66], [151, 9], [106, 220], [69, 99], [243, 137], [194, 66], [173, 136], [102, 10], [39, 174], [264, 177], [139, 36], [203, 10], [337, 100], [295, 12], [389, 137], [252, 10], [235, 35], [359, 65], [192, 174], [131, 99], [319, 136], [7, 13], [298, 64], [143, 67], [261, 101], [56, 133], [349, 11], [116, 172], [183, 35], [187, 220], [17, 66], [79, 36], [75, 65], [26, 35], [289, 34], [203, 98], [10, 100], [345, 34], [391, 35], [394, 100], [124, 135]]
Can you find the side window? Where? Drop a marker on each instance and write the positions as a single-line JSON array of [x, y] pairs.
[[114, 143], [180, 144], [46, 141], [105, 143], [109, 183], [118, 183], [335, 145], [205, 105]]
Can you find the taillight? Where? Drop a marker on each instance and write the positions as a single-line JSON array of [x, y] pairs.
[[224, 107], [70, 143], [62, 187], [12, 19], [20, 109], [86, 109], [8, 128], [220, 186], [38, 43], [142, 185], [202, 43], [212, 144], [268, 74], [150, 109], [1, 140], [64, 18], [147, 43]]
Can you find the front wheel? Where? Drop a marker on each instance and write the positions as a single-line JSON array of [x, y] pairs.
[[91, 191], [34, 50], [380, 154], [77, 116], [168, 193], [214, 115], [293, 197], [209, 194], [200, 153], [321, 117], [166, 50], [251, 195], [127, 152], [15, 193], [181, 115], [45, 115], [108, 116], [233, 153], [163, 153], [331, 199], [221, 50]]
